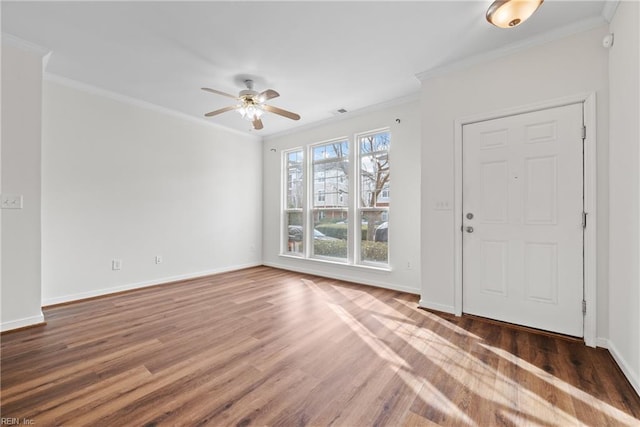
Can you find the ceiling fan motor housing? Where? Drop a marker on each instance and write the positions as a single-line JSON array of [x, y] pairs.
[[248, 93]]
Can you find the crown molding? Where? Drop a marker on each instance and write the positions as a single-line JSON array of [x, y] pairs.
[[609, 9], [513, 48], [346, 116], [94, 90], [18, 43]]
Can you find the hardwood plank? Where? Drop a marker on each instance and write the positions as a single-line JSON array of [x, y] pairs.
[[263, 346]]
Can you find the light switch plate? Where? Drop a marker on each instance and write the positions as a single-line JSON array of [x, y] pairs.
[[443, 205], [11, 201]]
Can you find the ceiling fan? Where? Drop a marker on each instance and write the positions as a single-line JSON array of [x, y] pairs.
[[252, 104]]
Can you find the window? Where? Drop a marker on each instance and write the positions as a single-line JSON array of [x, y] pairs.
[[384, 196], [340, 181], [373, 203], [294, 201], [330, 171]]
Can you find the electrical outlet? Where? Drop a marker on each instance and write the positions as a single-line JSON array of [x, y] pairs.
[[116, 264], [408, 265], [158, 259]]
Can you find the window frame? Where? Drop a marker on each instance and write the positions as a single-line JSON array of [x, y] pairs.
[[353, 208], [286, 210], [312, 208], [359, 209]]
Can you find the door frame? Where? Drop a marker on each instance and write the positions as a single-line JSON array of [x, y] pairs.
[[588, 101]]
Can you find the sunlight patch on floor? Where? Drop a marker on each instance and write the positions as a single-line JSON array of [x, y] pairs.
[[439, 320], [574, 392], [514, 399], [426, 391], [382, 350], [433, 397], [494, 385]]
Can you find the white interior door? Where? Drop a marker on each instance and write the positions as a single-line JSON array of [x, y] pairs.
[[522, 242]]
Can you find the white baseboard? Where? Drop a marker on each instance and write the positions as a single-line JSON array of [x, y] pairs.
[[323, 273], [144, 284], [631, 374], [437, 307], [21, 323]]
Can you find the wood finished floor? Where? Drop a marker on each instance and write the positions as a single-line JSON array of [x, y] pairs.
[[267, 347]]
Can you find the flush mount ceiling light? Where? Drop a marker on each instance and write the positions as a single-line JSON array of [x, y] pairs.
[[511, 13]]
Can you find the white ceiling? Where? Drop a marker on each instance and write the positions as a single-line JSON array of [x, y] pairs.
[[320, 56]]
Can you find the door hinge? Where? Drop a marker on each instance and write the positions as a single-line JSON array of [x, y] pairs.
[[584, 220], [584, 307], [584, 132]]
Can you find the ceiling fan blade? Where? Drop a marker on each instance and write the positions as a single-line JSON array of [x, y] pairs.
[[267, 95], [281, 112], [257, 124], [222, 110], [217, 92]]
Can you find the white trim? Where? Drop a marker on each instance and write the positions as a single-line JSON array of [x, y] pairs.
[[21, 323], [94, 90], [609, 9], [385, 268], [437, 307], [45, 61], [457, 216], [359, 280], [510, 49], [590, 233], [143, 284], [632, 376], [24, 45], [590, 242]]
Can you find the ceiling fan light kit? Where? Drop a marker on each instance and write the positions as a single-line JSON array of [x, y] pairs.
[[250, 110], [252, 104], [511, 13]]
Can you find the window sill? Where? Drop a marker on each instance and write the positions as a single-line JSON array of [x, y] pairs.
[[340, 264]]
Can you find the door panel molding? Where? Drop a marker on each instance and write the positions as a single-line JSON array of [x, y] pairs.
[[588, 101]]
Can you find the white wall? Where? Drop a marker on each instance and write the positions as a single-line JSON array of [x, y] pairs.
[[567, 67], [624, 228], [404, 217], [122, 181], [21, 126]]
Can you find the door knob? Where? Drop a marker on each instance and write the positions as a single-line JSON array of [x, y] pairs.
[[469, 215], [469, 229]]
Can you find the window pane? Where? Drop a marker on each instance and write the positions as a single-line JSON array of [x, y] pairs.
[[374, 245], [294, 180], [330, 199], [374, 170], [331, 175], [374, 196], [330, 233], [294, 202], [295, 232]]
